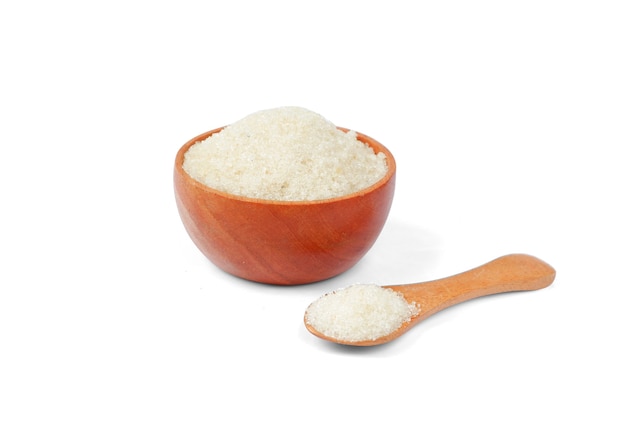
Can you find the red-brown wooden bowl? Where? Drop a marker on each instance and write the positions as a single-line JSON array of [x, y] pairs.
[[283, 242]]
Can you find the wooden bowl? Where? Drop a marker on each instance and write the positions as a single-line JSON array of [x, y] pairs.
[[283, 242]]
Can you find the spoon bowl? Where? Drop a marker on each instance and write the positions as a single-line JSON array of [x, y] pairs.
[[514, 272]]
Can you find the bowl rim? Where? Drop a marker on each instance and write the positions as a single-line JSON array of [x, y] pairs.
[[365, 139]]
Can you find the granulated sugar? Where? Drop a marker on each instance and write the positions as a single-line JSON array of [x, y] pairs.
[[360, 312], [286, 154]]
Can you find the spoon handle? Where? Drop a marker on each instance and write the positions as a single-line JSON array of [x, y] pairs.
[[508, 273]]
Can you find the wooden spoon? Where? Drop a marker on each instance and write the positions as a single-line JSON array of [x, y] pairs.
[[514, 272]]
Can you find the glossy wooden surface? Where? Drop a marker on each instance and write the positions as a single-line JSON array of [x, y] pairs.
[[514, 272], [285, 243]]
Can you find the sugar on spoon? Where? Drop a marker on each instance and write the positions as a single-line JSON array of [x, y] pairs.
[[368, 315]]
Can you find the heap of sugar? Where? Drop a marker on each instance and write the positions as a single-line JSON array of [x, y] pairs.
[[286, 154], [360, 312]]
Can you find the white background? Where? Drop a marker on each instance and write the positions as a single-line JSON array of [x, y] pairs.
[[507, 121]]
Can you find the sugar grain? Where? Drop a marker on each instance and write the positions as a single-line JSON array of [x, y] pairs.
[[360, 312], [286, 154]]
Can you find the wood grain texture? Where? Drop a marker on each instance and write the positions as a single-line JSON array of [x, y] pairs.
[[514, 272], [283, 243]]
